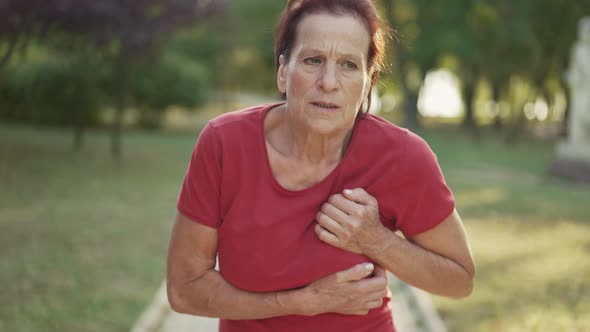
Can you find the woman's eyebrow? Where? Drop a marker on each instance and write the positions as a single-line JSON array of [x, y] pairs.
[[306, 51]]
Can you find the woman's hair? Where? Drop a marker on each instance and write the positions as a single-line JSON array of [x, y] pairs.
[[363, 9]]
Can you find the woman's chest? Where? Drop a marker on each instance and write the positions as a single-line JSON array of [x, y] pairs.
[[267, 242], [267, 239]]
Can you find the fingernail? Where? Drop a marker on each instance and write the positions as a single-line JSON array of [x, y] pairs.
[[347, 191], [369, 267]]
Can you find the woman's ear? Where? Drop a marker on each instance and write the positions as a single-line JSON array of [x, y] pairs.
[[281, 79]]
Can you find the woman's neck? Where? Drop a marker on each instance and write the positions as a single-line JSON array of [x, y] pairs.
[[294, 140]]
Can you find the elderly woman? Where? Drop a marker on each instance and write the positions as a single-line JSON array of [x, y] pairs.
[[301, 200]]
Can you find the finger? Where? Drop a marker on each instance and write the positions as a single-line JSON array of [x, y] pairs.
[[374, 284], [360, 313], [327, 222], [375, 304], [355, 273], [333, 212], [361, 196], [344, 204], [326, 236], [380, 272], [377, 295]]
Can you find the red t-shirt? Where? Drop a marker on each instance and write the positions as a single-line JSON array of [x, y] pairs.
[[266, 232]]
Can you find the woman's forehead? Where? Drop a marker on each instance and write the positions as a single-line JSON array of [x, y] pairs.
[[325, 32]]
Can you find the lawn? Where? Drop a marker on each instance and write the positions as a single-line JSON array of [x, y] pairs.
[[530, 235], [83, 239]]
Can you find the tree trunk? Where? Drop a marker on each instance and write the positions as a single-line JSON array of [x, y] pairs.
[[498, 125], [410, 98], [468, 98], [229, 40], [518, 122], [8, 54], [78, 132], [79, 113], [411, 110], [120, 105], [515, 130], [568, 98], [518, 125], [469, 79]]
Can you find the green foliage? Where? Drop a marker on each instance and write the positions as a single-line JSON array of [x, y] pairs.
[[173, 79], [253, 39], [52, 91], [491, 40], [484, 39], [256, 23], [237, 47], [63, 88], [554, 24]]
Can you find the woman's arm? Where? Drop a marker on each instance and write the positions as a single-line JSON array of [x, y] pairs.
[[438, 261], [195, 288]]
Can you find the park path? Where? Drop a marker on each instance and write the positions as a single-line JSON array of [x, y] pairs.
[[412, 308]]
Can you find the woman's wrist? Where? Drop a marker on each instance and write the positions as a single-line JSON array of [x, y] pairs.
[[382, 242], [295, 302]]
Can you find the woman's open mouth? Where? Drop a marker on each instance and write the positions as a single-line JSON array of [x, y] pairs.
[[324, 105]]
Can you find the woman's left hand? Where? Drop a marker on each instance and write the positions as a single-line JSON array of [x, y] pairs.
[[350, 221]]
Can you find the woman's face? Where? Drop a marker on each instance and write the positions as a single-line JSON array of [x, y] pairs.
[[326, 77]]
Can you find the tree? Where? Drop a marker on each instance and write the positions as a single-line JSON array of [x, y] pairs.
[[402, 15], [123, 32], [18, 25], [172, 79], [128, 31]]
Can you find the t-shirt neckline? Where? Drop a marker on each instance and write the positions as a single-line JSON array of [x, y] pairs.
[[268, 168]]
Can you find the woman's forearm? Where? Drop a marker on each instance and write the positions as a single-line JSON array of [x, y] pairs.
[[422, 268], [212, 296], [195, 288], [353, 291], [437, 260]]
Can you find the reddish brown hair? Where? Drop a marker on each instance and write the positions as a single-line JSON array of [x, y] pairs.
[[363, 9]]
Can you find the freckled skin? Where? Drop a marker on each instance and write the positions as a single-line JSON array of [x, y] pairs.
[[328, 63]]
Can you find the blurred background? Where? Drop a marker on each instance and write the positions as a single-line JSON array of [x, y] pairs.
[[101, 103]]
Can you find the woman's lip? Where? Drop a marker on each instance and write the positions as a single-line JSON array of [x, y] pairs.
[[327, 106]]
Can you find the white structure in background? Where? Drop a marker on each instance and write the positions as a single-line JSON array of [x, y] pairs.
[[440, 95], [578, 78], [573, 155]]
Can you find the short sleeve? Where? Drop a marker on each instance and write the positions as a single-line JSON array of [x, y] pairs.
[[200, 193], [426, 200]]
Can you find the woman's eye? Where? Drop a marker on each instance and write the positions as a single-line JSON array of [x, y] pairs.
[[350, 65], [313, 61]]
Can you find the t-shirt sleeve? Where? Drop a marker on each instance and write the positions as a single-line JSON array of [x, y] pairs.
[[426, 200], [200, 193]]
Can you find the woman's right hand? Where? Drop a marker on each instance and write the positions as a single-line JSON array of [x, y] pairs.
[[354, 291]]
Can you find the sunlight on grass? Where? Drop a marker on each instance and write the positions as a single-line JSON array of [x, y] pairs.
[[532, 276], [480, 196]]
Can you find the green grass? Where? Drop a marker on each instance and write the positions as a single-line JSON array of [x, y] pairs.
[[530, 235], [83, 239]]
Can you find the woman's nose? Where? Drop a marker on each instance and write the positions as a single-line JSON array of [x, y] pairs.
[[327, 80]]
